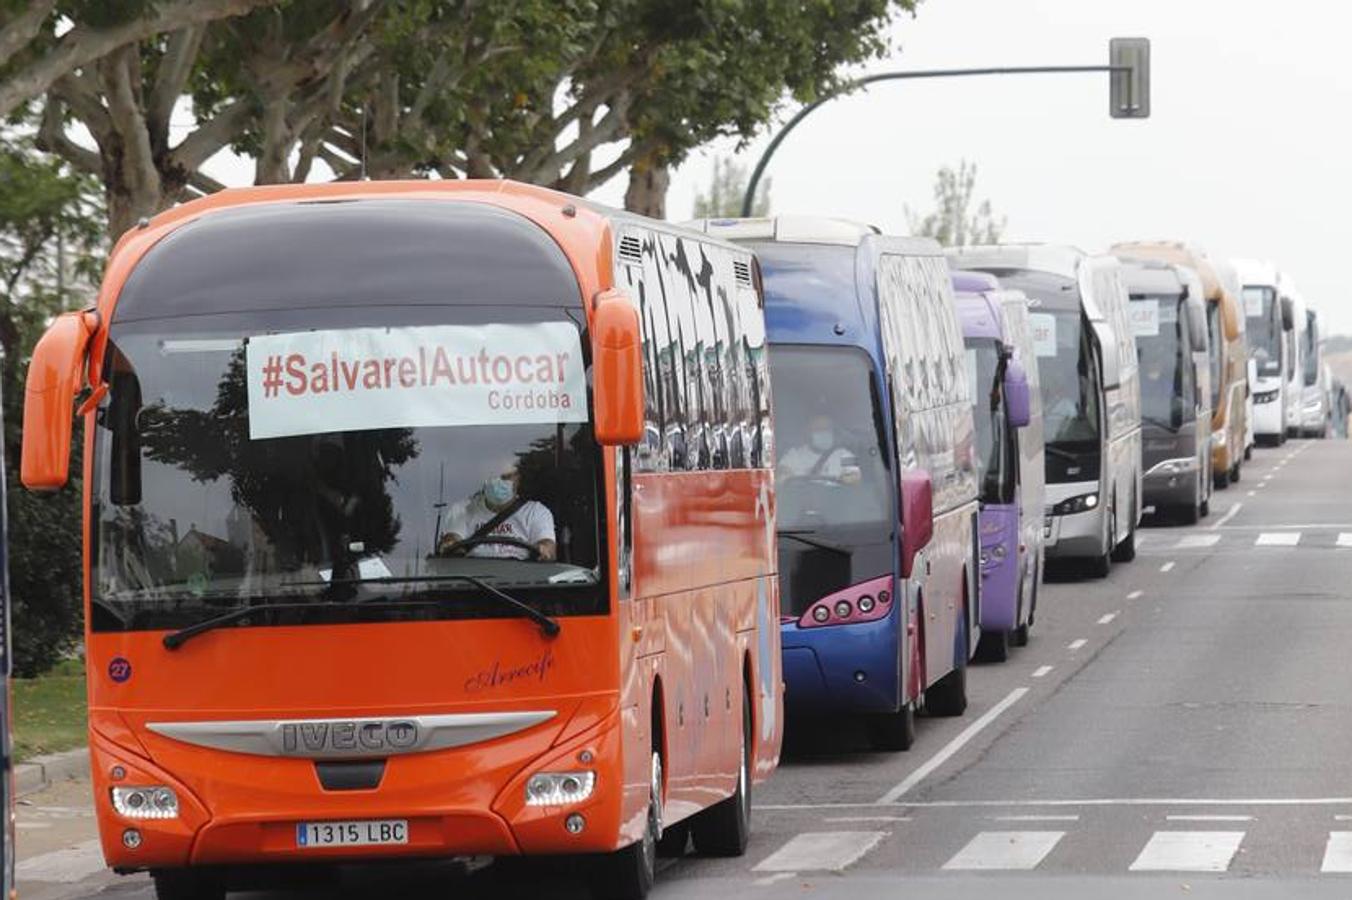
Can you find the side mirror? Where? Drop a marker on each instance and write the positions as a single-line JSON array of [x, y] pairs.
[[55, 375], [1230, 323], [1018, 402], [1197, 336], [917, 516], [1176, 412], [1112, 363], [617, 370], [1288, 314]]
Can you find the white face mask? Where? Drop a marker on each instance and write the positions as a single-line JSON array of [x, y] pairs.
[[823, 440]]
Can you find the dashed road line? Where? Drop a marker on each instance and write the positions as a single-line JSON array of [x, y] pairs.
[[1197, 541], [1277, 539], [1188, 851], [1167, 567], [820, 851], [1019, 851], [1338, 852], [1230, 514], [1042, 671], [1345, 539], [1107, 618], [1135, 594], [1209, 818], [1076, 644]]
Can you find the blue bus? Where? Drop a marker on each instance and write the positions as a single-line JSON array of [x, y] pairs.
[[874, 472]]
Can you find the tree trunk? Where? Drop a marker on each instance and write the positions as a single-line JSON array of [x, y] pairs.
[[127, 205], [647, 193]]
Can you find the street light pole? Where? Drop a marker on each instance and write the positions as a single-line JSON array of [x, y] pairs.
[[1129, 107]]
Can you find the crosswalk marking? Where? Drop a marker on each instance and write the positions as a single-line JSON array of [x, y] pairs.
[[818, 851], [1188, 851], [1345, 539], [66, 866], [1196, 541], [1277, 539], [1338, 852], [1008, 850]]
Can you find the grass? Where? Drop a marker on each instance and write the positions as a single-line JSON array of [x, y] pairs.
[[49, 711]]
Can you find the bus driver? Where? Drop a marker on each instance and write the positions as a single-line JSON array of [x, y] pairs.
[[821, 457], [497, 522]]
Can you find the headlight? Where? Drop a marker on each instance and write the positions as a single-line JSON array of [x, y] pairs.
[[154, 802], [1174, 466], [1082, 503], [559, 788]]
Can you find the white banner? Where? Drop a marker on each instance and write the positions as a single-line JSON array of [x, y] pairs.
[[1253, 302], [1044, 333], [367, 378], [1145, 317]]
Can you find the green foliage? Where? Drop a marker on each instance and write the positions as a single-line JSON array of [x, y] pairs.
[[51, 251], [954, 222], [49, 711], [727, 187]]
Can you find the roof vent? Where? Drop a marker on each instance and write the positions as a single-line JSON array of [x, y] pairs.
[[631, 250], [741, 270]]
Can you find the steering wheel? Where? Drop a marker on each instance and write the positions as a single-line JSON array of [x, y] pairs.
[[463, 547]]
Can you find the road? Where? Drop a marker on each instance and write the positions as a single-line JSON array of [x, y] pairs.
[[1180, 728]]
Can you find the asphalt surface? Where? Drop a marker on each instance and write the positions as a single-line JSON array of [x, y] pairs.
[[1180, 728]]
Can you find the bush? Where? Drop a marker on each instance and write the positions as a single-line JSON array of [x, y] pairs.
[[45, 580]]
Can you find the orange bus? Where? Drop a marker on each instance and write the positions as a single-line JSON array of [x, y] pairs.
[[422, 519]]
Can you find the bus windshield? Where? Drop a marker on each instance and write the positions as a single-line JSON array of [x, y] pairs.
[[831, 472], [1163, 352], [1214, 352], [196, 515], [994, 459], [1264, 328]]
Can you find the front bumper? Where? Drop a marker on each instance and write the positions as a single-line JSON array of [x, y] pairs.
[[1172, 483], [451, 811], [849, 668]]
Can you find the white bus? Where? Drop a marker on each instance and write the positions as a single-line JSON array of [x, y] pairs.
[[1268, 348], [1090, 394], [1314, 410], [1295, 325]]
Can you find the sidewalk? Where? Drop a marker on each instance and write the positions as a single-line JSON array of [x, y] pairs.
[[59, 857], [44, 771]]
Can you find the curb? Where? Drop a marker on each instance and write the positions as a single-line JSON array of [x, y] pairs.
[[42, 771]]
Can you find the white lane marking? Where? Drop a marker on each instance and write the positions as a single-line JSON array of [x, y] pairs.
[[31, 826], [63, 866], [952, 747], [867, 819], [1076, 644], [1197, 541], [1345, 539], [769, 880], [1105, 619], [1041, 671], [1005, 850], [1338, 852], [817, 851], [1188, 851], [1253, 493], [1167, 567], [1277, 539], [1292, 526], [1092, 802], [1134, 594], [1035, 818], [1229, 514], [1209, 818]]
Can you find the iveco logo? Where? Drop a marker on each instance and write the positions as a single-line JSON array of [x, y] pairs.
[[365, 736]]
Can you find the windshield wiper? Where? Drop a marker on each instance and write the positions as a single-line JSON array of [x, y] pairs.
[[178, 638], [801, 535], [1167, 426], [1064, 454], [548, 626]]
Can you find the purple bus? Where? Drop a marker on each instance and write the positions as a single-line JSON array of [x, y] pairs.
[[1002, 367]]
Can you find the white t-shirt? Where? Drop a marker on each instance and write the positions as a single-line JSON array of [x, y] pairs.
[[800, 462], [531, 523]]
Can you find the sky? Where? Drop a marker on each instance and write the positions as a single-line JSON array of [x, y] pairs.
[[1245, 154]]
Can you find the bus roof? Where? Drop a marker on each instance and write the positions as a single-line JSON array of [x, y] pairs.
[[980, 315], [788, 229], [1152, 277], [1058, 259], [1256, 273]]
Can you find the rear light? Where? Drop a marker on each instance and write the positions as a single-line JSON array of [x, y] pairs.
[[865, 602], [155, 802]]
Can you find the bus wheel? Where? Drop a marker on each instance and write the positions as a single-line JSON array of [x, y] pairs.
[[1126, 551], [187, 884], [1234, 473], [948, 697], [629, 873], [893, 731], [993, 646], [725, 828]]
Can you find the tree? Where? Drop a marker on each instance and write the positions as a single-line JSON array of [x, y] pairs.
[[566, 93], [953, 222], [727, 186], [51, 250]]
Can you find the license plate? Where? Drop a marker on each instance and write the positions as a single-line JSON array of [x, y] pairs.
[[365, 833]]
